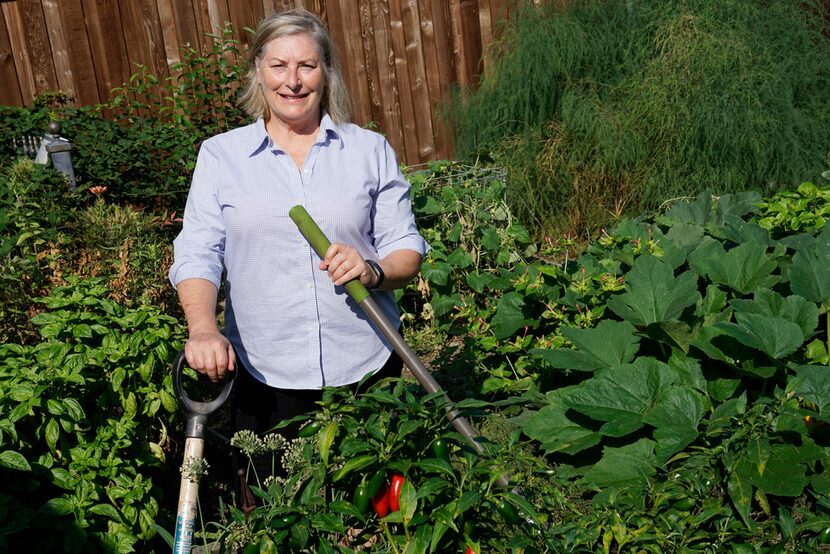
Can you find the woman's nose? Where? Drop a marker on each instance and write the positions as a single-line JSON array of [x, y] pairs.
[[293, 77]]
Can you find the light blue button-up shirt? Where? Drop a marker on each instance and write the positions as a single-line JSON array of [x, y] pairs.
[[290, 325]]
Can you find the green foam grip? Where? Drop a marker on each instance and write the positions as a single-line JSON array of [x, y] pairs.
[[320, 243]]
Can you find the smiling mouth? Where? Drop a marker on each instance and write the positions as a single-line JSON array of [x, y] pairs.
[[294, 96]]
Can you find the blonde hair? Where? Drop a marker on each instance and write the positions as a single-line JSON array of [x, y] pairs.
[[297, 22]]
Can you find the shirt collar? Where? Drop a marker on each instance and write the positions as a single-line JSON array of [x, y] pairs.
[[259, 135]]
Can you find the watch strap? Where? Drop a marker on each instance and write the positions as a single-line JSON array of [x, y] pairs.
[[378, 271]]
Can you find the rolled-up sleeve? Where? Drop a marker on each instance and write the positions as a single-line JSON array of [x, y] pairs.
[[392, 219], [200, 247]]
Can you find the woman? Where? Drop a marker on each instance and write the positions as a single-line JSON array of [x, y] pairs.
[[290, 327]]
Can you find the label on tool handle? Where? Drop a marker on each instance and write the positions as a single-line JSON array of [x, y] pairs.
[[185, 522]]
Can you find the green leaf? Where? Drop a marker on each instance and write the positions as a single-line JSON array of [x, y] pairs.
[[653, 294], [627, 466], [774, 336], [815, 386], [435, 465], [57, 507], [739, 488], [62, 478], [688, 371], [324, 440], [622, 396], [354, 464], [555, 431], [793, 308], [676, 420], [609, 344], [510, 315], [743, 268], [74, 409], [52, 433], [14, 460], [408, 501], [460, 258], [490, 240], [54, 407], [107, 510], [809, 275], [467, 500], [782, 474], [478, 281], [437, 273]]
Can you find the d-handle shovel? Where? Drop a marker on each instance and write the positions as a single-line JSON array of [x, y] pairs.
[[195, 428], [359, 294]]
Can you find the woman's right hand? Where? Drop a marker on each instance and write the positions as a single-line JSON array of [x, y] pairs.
[[210, 353]]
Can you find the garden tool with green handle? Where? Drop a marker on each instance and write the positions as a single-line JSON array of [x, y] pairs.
[[359, 294]]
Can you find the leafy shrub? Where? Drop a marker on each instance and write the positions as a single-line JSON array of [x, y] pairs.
[[35, 208], [603, 108], [83, 422], [142, 143]]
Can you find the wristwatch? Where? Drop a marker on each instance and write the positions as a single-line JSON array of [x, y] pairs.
[[375, 268]]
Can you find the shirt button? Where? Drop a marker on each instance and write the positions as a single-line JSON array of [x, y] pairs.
[[306, 171]]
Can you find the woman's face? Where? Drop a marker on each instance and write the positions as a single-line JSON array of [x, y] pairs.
[[292, 80]]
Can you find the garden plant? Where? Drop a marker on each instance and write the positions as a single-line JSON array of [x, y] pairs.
[[658, 381]]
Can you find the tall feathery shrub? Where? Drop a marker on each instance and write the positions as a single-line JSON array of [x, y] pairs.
[[609, 106]]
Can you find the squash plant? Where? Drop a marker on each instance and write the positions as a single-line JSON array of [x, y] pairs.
[[704, 384]]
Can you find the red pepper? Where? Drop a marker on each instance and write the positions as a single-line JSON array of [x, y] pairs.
[[395, 491], [381, 501]]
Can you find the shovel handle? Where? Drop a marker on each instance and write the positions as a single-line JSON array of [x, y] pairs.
[[320, 243]]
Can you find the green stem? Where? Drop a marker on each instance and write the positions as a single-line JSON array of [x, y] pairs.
[[390, 538], [827, 332]]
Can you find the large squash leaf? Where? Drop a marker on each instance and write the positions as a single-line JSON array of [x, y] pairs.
[[676, 420], [793, 308], [622, 396], [774, 336], [810, 271], [555, 431], [653, 294], [813, 383], [630, 465], [609, 344], [743, 268]]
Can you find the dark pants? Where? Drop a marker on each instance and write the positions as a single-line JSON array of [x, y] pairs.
[[258, 407]]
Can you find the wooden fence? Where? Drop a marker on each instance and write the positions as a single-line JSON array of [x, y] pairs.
[[401, 58]]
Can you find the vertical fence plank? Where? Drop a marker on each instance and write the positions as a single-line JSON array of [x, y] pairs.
[[415, 66], [20, 52], [106, 44], [438, 66], [167, 20], [143, 36], [78, 54], [392, 121], [10, 94], [58, 46], [410, 139], [370, 57], [37, 42], [348, 36]]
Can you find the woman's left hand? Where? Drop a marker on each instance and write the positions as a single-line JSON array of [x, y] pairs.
[[344, 263]]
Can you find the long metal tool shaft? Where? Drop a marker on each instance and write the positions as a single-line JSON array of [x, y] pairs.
[[318, 241]]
